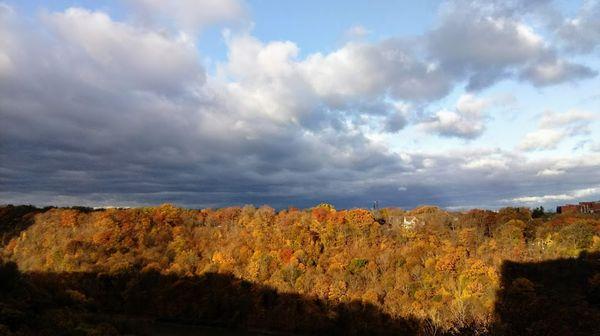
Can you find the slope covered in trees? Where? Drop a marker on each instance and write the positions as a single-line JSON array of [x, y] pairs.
[[424, 271]]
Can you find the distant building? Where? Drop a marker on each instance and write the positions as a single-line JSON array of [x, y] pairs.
[[409, 222], [590, 207], [567, 208], [582, 207]]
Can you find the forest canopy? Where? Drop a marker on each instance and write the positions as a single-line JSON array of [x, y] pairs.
[[426, 264]]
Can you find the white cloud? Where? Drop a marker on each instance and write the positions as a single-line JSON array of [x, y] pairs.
[[251, 60], [585, 161], [429, 163], [556, 127], [356, 32], [542, 139], [540, 199], [570, 196], [487, 163], [469, 104], [103, 51], [465, 121], [371, 70], [550, 172], [573, 117], [349, 85]]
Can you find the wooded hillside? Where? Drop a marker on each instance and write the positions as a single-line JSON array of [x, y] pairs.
[[443, 272]]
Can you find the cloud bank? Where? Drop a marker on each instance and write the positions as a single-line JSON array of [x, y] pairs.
[[99, 111]]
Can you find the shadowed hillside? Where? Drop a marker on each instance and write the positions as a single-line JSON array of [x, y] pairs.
[[14, 219], [554, 297], [47, 302]]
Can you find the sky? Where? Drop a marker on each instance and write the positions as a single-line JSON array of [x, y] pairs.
[[211, 103]]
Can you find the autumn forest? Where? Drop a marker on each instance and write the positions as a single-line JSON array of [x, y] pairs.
[[81, 271]]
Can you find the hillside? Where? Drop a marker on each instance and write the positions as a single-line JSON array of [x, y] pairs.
[[425, 271]]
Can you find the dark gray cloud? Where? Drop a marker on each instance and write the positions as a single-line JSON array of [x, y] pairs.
[[395, 122]]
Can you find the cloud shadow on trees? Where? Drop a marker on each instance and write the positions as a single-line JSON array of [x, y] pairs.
[[554, 297], [15, 219], [217, 300]]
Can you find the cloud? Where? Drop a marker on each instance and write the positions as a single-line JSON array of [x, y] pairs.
[[115, 112], [542, 139], [465, 121], [397, 120], [189, 15], [368, 70], [461, 43], [471, 39], [556, 127], [356, 32], [109, 52], [113, 128], [475, 52], [556, 71], [572, 195], [491, 162], [576, 120], [7, 16], [550, 172], [582, 32], [355, 84]]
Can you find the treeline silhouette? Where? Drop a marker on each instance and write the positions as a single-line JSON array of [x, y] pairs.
[[314, 271]]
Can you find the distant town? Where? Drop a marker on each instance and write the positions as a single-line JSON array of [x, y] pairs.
[[582, 207]]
